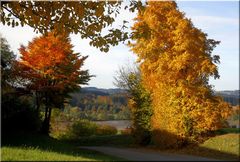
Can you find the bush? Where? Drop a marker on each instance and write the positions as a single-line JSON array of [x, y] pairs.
[[106, 130], [86, 128], [82, 128]]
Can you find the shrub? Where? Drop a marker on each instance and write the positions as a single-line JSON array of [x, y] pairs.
[[82, 128], [86, 128], [106, 130]]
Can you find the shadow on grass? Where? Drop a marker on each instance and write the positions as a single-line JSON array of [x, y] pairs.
[[110, 140], [210, 153], [222, 147], [46, 143]]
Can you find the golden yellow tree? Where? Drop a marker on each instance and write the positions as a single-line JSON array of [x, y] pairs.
[[176, 64]]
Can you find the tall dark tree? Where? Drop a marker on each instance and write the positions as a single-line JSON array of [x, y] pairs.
[[7, 60]]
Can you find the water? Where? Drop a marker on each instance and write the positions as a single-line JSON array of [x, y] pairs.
[[119, 124]]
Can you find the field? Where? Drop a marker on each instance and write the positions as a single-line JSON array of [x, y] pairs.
[[38, 147]]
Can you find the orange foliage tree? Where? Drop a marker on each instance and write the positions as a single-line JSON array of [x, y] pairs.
[[50, 69], [176, 64]]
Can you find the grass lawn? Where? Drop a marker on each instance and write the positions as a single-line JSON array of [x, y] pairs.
[[35, 154], [228, 143], [222, 147], [38, 147]]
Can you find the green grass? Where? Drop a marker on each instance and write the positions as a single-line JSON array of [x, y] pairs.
[[38, 147], [222, 147], [228, 143], [35, 154]]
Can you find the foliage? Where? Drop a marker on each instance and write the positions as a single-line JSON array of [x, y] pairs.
[[106, 130], [7, 61], [49, 67], [176, 64], [87, 18], [139, 103], [140, 106], [50, 58], [82, 128]]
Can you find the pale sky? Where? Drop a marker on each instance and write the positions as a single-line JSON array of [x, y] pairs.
[[219, 19]]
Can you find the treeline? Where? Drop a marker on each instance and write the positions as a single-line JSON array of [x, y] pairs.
[[99, 105], [231, 99]]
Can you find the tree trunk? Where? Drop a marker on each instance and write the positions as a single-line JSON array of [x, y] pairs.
[[37, 101], [46, 121], [45, 124]]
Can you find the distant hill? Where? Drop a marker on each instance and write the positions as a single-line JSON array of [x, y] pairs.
[[231, 97], [234, 93], [102, 90]]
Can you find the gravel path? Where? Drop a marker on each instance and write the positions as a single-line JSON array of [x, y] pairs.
[[133, 154]]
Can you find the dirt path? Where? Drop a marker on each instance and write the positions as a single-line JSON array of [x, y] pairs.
[[133, 154]]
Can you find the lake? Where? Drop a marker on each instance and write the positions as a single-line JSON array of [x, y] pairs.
[[119, 124]]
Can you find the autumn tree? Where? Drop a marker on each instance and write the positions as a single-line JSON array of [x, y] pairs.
[[86, 18], [129, 78], [176, 63], [51, 70]]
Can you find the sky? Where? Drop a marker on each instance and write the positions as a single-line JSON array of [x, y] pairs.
[[219, 19]]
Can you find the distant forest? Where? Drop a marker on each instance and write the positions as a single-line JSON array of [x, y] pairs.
[[231, 97], [101, 104]]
